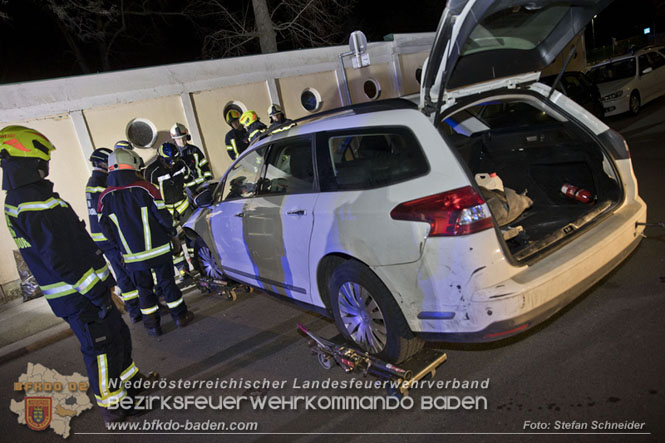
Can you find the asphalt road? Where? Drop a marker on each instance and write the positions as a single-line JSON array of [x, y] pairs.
[[601, 359]]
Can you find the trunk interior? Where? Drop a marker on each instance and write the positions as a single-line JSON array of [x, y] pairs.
[[533, 151]]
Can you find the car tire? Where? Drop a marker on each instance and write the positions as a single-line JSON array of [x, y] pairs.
[[635, 103], [367, 315], [205, 260]]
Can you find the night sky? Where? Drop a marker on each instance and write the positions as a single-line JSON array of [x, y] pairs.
[[33, 47]]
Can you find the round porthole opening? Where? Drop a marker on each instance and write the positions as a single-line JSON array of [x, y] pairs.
[[141, 133], [419, 75], [372, 89], [310, 99]]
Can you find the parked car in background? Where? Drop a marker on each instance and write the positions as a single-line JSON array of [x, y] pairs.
[[372, 213], [580, 88], [628, 82]]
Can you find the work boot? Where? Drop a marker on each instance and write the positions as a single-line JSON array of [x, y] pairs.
[[184, 319], [154, 332]]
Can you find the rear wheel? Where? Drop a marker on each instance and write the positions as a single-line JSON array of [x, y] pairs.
[[205, 260], [635, 102], [366, 314]]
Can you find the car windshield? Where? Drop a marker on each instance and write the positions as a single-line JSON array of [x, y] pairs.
[[617, 70]]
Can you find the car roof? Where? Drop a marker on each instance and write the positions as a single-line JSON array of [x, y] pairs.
[[627, 56], [344, 111]]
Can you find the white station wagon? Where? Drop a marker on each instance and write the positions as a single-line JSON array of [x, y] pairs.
[[372, 214]]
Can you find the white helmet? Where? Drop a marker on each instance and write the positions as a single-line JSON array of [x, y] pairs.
[[179, 130], [124, 159]]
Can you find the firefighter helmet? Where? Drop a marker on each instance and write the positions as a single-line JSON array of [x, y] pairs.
[[231, 115], [100, 155], [274, 110], [248, 117], [169, 152], [179, 130], [19, 141], [123, 144], [124, 159]]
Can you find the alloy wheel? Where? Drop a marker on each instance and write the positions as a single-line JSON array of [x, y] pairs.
[[362, 317]]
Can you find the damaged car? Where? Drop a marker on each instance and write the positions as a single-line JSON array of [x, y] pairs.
[[470, 217]]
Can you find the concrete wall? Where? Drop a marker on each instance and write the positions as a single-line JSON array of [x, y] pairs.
[[80, 114]]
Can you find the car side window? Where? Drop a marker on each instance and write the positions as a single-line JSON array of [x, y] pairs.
[[240, 181], [657, 60], [372, 158], [289, 168], [644, 63]]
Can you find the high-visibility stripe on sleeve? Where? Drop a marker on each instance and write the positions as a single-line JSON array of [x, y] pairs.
[[51, 203], [94, 189], [86, 282], [56, 290], [160, 204], [103, 273], [98, 236]]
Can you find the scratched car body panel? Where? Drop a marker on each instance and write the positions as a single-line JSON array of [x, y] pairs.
[[373, 213]]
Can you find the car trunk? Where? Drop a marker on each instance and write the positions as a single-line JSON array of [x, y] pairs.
[[534, 150]]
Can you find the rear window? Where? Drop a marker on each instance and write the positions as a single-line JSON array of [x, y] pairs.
[[521, 27], [372, 158], [618, 70]]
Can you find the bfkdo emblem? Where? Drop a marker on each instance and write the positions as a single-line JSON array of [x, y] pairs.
[[38, 412]]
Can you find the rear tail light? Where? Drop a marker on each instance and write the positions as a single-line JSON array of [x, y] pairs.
[[458, 212]]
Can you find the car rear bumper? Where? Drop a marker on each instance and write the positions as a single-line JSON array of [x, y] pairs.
[[487, 303]]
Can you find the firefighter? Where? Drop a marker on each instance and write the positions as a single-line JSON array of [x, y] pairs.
[[278, 120], [124, 144], [96, 185], [66, 263], [192, 156], [236, 138], [134, 217], [172, 176], [252, 125]]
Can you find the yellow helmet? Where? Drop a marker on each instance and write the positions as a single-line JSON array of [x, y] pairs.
[[248, 117], [231, 115], [19, 141]]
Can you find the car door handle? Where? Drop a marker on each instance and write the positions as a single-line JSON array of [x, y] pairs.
[[296, 212], [240, 214]]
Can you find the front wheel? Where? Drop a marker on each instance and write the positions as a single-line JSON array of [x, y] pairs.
[[367, 315], [205, 260], [635, 102]]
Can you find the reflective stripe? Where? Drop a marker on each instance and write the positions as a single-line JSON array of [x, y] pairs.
[[178, 259], [129, 372], [196, 164], [103, 273], [207, 174], [146, 228], [182, 206], [98, 236], [112, 399], [57, 290], [94, 189], [122, 237], [86, 282], [102, 373], [160, 204], [52, 202], [149, 311], [203, 162], [145, 255], [175, 304], [235, 148], [131, 295]]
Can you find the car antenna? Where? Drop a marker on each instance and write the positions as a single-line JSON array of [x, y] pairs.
[[572, 52]]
